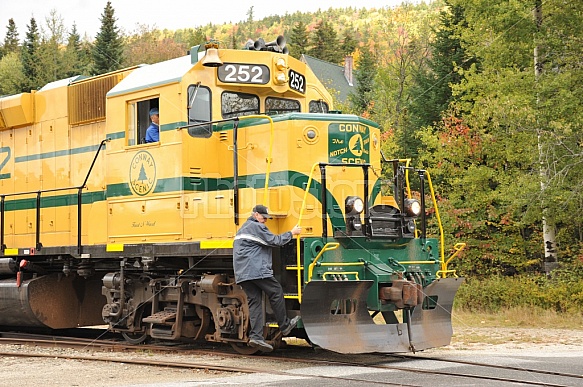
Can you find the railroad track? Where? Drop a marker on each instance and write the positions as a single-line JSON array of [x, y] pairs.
[[304, 357]]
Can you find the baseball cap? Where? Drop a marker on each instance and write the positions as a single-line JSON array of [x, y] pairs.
[[262, 210], [154, 111]]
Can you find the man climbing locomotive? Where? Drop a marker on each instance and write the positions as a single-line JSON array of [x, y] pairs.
[[252, 262]]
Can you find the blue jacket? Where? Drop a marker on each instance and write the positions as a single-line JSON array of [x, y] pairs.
[[153, 133], [252, 250]]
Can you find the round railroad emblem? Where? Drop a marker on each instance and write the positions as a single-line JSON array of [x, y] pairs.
[[142, 173], [355, 145]]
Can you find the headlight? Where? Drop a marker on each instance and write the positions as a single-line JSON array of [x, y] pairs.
[[354, 205], [412, 207]]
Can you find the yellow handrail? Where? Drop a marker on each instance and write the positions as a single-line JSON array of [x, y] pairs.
[[342, 264], [327, 247], [441, 237], [298, 257], [458, 247]]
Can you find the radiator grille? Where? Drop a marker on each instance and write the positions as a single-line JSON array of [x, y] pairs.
[[87, 99]]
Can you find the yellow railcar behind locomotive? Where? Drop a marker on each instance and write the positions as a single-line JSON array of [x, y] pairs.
[[140, 235]]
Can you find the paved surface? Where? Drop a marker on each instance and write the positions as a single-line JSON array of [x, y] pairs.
[[570, 362]]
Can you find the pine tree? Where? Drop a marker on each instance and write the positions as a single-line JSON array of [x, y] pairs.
[[11, 39], [75, 58], [433, 88], [365, 75], [193, 37], [250, 15], [108, 49], [298, 43], [30, 57], [325, 43], [142, 176], [348, 42]]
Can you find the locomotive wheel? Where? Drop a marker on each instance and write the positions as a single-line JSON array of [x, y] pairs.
[[135, 338]]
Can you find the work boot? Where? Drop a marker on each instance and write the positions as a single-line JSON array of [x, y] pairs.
[[291, 324], [261, 344]]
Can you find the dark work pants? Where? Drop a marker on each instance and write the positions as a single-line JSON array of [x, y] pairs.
[[274, 292]]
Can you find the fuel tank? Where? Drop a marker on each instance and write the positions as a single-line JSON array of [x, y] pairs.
[[51, 301]]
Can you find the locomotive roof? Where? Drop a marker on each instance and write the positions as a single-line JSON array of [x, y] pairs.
[[148, 76], [61, 82]]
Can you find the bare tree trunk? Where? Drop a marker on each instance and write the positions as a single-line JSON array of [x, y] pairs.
[[549, 237]]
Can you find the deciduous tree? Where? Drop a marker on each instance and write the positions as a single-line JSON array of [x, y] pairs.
[[11, 75]]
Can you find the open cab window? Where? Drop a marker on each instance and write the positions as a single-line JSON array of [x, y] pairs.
[[199, 111], [139, 119]]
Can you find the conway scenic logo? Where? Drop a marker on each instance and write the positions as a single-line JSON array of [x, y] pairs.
[[142, 173], [348, 143]]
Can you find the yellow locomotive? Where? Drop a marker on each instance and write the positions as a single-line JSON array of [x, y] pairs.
[[98, 225]]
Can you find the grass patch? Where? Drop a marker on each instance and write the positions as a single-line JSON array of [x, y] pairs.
[[518, 317]]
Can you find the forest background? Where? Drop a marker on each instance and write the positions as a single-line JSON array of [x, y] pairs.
[[484, 94]]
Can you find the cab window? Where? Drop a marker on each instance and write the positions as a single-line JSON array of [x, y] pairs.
[[238, 104], [281, 105], [199, 111], [139, 119], [318, 107]]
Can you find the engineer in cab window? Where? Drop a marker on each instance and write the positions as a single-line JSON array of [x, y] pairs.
[[153, 131]]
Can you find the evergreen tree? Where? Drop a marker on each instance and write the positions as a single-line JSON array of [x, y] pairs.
[[360, 100], [75, 59], [108, 49], [11, 39], [325, 43], [349, 43], [298, 43], [432, 90], [30, 57], [199, 37]]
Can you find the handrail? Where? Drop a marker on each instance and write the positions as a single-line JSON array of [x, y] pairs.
[[38, 205], [327, 247], [458, 246], [298, 257], [439, 224], [322, 166]]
